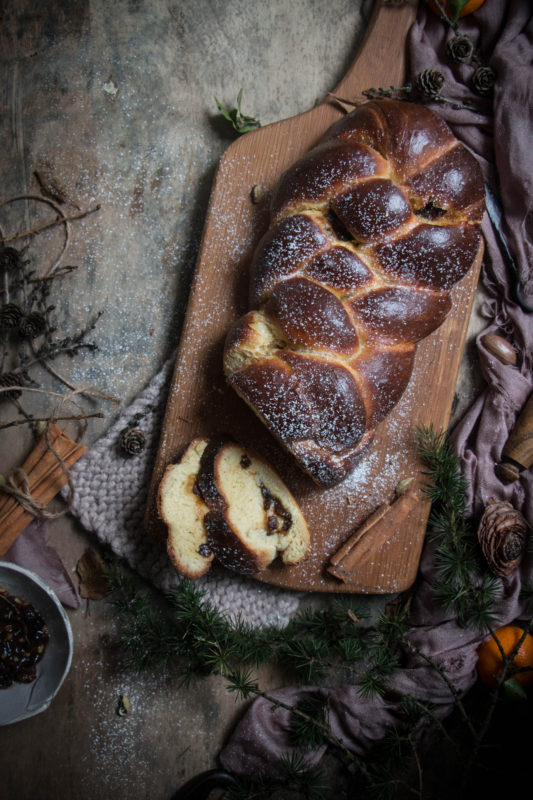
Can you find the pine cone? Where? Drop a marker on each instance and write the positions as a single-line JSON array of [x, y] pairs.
[[10, 259], [430, 81], [32, 325], [10, 316], [460, 48], [10, 379], [483, 80], [502, 534], [132, 441]]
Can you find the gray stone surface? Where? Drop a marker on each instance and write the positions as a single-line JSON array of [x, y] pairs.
[[115, 104], [112, 103]]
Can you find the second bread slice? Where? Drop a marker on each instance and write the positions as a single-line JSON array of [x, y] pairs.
[[252, 515]]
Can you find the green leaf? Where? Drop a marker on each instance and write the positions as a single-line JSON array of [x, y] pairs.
[[513, 692], [450, 8], [241, 123], [456, 6]]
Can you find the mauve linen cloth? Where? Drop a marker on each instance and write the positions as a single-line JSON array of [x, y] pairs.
[[501, 135]]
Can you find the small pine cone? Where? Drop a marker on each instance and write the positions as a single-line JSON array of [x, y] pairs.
[[10, 259], [10, 316], [460, 48], [502, 534], [132, 441], [32, 325], [483, 80], [429, 82], [10, 379]]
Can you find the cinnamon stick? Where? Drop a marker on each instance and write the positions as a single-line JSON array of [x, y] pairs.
[[363, 545], [46, 478]]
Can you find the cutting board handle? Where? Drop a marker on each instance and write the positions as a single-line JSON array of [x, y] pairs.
[[381, 58]]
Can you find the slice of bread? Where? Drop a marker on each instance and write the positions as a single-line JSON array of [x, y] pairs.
[[252, 515], [182, 509]]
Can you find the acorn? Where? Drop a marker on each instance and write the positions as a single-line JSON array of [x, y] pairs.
[[499, 348]]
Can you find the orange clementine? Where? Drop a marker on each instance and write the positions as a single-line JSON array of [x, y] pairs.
[[490, 660], [471, 6]]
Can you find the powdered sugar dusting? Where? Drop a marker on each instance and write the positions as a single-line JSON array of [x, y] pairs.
[[346, 190]]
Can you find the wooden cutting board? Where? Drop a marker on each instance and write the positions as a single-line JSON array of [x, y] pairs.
[[200, 403]]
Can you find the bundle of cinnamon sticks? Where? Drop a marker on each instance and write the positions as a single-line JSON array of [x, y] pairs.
[[42, 475]]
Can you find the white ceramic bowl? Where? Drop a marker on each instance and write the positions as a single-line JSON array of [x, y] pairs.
[[23, 700]]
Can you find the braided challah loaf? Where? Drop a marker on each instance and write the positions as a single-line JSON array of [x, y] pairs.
[[369, 231]]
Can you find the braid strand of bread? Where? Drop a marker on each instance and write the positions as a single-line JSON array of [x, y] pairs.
[[369, 232]]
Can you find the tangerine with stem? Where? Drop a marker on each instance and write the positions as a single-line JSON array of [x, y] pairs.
[[491, 661]]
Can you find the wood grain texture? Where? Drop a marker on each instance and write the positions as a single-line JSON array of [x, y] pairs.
[[200, 404]]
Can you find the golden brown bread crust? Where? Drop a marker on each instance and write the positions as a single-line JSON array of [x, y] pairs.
[[369, 232]]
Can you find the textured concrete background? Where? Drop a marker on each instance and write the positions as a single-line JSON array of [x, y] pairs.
[[113, 104]]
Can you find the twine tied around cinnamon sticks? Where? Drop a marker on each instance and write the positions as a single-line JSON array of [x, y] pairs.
[[30, 488], [21, 492]]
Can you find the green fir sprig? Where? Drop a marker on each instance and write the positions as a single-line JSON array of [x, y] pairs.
[[191, 638], [462, 583], [305, 732], [295, 779]]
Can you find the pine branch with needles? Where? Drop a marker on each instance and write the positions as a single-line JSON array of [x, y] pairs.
[[462, 584]]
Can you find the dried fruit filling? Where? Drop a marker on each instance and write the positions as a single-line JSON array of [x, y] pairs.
[[23, 640]]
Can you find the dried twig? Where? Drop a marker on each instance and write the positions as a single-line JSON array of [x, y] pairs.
[[45, 225], [58, 273], [14, 423]]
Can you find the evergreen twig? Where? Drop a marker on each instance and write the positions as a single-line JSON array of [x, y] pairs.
[[453, 691], [462, 584]]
